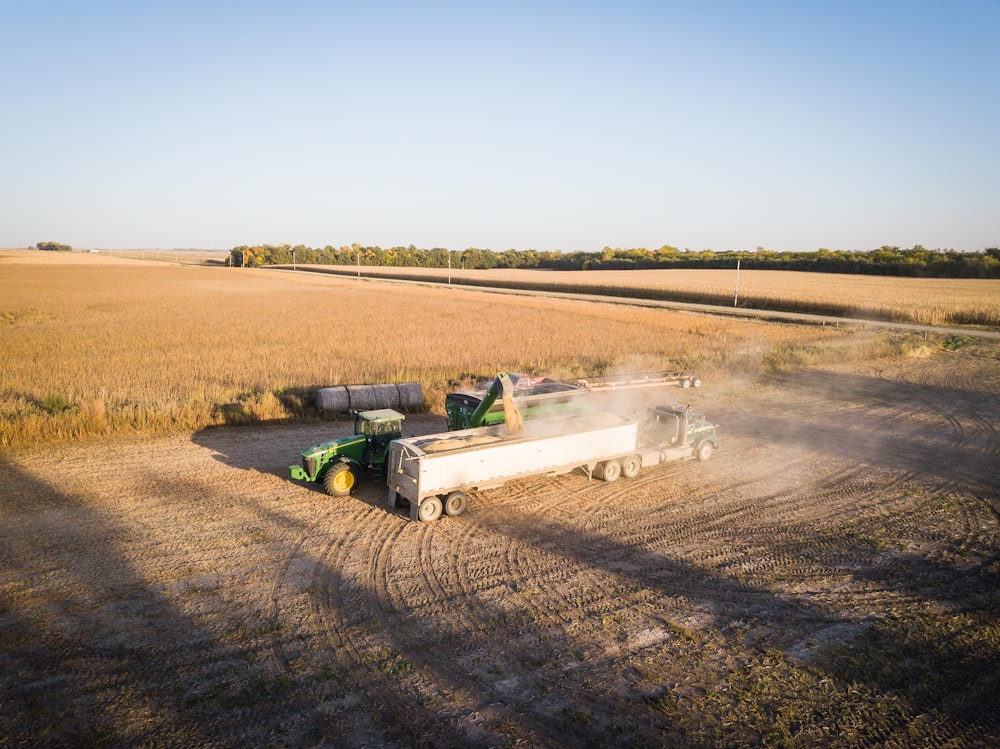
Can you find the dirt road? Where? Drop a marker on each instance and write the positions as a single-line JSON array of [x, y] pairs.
[[830, 576]]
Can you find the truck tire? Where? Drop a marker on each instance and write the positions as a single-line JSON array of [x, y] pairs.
[[705, 450], [429, 510], [611, 470], [455, 504], [340, 480], [631, 466]]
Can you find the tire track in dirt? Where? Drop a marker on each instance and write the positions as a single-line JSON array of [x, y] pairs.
[[701, 548]]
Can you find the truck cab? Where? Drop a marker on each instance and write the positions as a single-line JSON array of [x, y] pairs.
[[340, 463], [677, 426]]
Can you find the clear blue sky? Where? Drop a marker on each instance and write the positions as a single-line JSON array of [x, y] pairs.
[[545, 125]]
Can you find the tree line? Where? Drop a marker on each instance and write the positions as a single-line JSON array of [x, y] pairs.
[[53, 247], [886, 260]]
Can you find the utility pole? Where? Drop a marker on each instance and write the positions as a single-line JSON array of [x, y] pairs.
[[736, 294]]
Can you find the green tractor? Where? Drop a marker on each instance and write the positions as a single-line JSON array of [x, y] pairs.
[[340, 463]]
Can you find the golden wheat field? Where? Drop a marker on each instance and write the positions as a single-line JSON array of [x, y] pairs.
[[97, 344], [926, 301]]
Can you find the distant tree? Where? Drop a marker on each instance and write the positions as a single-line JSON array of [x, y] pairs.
[[53, 247]]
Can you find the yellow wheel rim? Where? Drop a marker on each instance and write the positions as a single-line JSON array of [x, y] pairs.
[[343, 481]]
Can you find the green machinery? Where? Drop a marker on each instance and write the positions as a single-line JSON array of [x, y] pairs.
[[536, 397], [340, 463]]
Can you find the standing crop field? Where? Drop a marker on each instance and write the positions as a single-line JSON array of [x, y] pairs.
[[103, 345], [926, 301]]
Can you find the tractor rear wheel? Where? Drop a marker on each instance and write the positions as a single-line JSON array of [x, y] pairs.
[[455, 503], [340, 480], [430, 509]]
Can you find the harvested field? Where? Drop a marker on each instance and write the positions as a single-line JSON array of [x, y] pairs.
[[831, 577]]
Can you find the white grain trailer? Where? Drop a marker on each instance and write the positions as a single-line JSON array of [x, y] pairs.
[[433, 473]]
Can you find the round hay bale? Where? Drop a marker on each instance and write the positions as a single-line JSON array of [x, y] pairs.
[[333, 400], [411, 395], [362, 397], [385, 396]]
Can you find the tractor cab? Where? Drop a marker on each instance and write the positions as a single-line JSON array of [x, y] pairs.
[[379, 427]]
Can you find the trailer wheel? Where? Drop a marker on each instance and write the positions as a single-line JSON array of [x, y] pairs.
[[631, 466], [430, 509], [455, 504], [705, 450], [610, 470], [340, 480]]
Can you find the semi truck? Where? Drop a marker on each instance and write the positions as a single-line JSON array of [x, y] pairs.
[[433, 474]]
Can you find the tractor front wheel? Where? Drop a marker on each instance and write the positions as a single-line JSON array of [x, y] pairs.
[[340, 480]]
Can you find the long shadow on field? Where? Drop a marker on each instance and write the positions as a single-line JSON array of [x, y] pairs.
[[90, 652], [952, 666], [266, 449]]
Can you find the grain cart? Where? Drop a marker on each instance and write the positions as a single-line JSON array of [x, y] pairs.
[[542, 397], [340, 463], [434, 473], [535, 397]]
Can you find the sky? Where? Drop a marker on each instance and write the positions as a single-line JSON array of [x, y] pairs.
[[567, 126]]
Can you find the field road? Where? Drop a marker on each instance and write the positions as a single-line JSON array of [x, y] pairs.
[[830, 577], [714, 309]]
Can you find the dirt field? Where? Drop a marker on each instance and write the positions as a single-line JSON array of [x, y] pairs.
[[831, 576]]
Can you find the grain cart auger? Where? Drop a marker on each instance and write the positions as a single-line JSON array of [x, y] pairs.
[[501, 388], [340, 463]]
